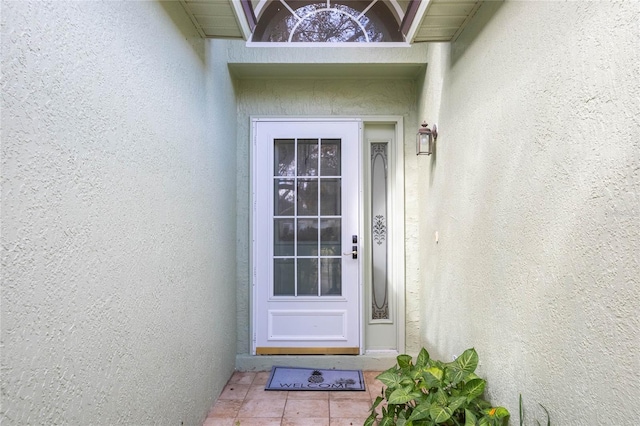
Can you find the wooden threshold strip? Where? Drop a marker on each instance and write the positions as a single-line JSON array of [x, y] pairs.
[[306, 351]]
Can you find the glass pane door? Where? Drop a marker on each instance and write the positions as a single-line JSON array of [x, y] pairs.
[[306, 217]]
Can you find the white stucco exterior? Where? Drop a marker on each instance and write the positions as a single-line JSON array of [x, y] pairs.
[[118, 215], [125, 222], [534, 192]]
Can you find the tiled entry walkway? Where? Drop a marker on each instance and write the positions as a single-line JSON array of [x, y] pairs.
[[244, 402]]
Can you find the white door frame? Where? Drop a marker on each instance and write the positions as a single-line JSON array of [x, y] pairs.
[[398, 215]]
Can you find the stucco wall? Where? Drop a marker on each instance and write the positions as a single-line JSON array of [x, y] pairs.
[[310, 97], [535, 194], [118, 215]]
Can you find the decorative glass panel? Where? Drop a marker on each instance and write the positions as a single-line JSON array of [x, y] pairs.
[[307, 157], [284, 282], [330, 237], [307, 197], [284, 197], [330, 196], [284, 158], [331, 277], [329, 26], [284, 236], [330, 157], [328, 21], [380, 285], [307, 237], [307, 277]]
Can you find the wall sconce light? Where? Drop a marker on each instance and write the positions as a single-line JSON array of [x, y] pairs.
[[425, 138]]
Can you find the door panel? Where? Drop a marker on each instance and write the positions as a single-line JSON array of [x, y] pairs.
[[306, 225]]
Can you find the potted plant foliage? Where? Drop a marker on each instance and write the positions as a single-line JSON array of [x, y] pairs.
[[431, 392]]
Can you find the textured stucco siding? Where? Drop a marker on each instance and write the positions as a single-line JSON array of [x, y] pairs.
[[534, 192], [309, 98], [118, 215]]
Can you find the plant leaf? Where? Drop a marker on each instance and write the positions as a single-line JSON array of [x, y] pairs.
[[401, 420], [416, 373], [499, 413], [547, 413], [370, 420], [481, 403], [439, 414], [441, 398], [390, 378], [468, 361], [470, 419], [473, 389], [404, 361], [464, 365], [423, 358], [472, 376], [521, 412], [387, 421], [402, 396], [420, 412], [388, 391], [455, 403], [436, 373], [407, 380], [430, 381], [484, 421], [377, 402]]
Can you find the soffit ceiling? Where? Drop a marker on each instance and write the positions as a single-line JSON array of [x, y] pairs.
[[435, 20], [444, 20]]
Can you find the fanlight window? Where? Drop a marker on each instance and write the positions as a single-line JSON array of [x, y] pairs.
[[308, 21]]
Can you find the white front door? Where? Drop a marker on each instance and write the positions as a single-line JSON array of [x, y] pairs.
[[306, 201]]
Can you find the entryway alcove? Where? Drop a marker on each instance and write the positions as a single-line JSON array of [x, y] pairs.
[[374, 89]]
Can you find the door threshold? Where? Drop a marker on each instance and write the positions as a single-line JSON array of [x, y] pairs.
[[268, 350], [376, 361]]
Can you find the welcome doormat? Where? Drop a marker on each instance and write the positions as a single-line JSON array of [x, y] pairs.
[[309, 379]]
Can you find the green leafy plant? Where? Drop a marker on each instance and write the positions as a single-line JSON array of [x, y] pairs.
[[432, 392]]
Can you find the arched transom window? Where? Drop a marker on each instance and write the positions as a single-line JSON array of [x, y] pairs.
[[327, 21]]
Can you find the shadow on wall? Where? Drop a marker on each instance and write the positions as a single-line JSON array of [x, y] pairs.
[[433, 158], [176, 13], [430, 98], [475, 26]]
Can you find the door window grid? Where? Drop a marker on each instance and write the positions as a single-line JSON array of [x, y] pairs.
[[307, 217]]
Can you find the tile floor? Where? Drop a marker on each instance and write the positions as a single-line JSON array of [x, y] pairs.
[[244, 402]]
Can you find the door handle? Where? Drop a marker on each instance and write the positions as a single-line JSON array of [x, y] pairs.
[[353, 252]]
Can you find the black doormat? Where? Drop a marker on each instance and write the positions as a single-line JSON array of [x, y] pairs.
[[309, 379]]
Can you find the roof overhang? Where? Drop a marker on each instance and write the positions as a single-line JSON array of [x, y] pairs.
[[423, 20]]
